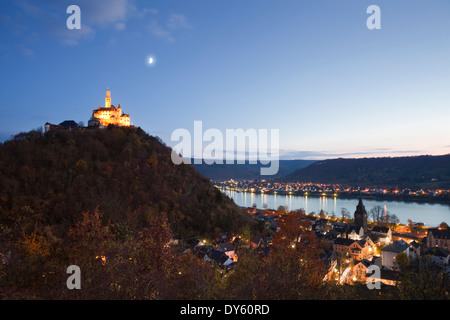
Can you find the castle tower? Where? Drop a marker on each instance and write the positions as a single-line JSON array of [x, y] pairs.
[[108, 99], [361, 216]]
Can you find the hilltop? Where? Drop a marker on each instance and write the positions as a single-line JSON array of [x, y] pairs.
[[126, 174], [409, 172], [112, 203]]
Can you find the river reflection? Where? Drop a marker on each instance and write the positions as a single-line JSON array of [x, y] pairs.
[[430, 214]]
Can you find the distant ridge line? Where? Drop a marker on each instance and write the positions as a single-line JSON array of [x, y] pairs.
[[407, 171]]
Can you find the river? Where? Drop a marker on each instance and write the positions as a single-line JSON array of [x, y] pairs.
[[431, 214]]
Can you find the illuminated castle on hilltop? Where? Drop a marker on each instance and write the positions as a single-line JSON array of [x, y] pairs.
[[102, 117]]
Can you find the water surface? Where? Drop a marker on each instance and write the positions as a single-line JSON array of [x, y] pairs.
[[431, 214]]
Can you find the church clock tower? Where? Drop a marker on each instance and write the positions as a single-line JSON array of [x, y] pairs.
[[361, 216]]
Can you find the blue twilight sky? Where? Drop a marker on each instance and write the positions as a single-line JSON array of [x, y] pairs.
[[311, 69]]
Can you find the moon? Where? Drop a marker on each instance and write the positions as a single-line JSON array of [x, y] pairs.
[[150, 60]]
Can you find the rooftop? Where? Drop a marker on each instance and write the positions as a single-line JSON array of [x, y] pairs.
[[396, 246], [380, 229], [440, 233], [344, 241]]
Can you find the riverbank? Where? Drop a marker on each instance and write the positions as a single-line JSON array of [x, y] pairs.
[[353, 195], [405, 232], [429, 213]]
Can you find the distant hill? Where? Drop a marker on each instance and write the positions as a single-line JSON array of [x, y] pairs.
[[248, 171], [420, 171], [128, 175]]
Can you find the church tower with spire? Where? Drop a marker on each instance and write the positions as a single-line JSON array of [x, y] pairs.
[[361, 216]]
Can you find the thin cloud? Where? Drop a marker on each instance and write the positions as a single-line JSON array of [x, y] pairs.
[[24, 50], [150, 10], [120, 26], [316, 155], [74, 37], [175, 22], [159, 31], [51, 15]]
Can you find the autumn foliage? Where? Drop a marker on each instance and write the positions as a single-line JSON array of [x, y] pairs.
[[112, 202], [109, 201]]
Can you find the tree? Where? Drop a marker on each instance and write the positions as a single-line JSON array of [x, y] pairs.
[[423, 280], [377, 213], [194, 279], [402, 261], [345, 214], [388, 219], [89, 236], [295, 268], [410, 226], [282, 209], [90, 248], [342, 261], [156, 262], [322, 214], [249, 281], [117, 263], [246, 233], [443, 225], [393, 221]]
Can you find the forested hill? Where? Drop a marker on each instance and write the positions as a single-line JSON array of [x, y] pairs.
[[52, 178], [420, 171]]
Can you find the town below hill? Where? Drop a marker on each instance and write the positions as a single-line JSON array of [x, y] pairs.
[[351, 244], [110, 201]]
